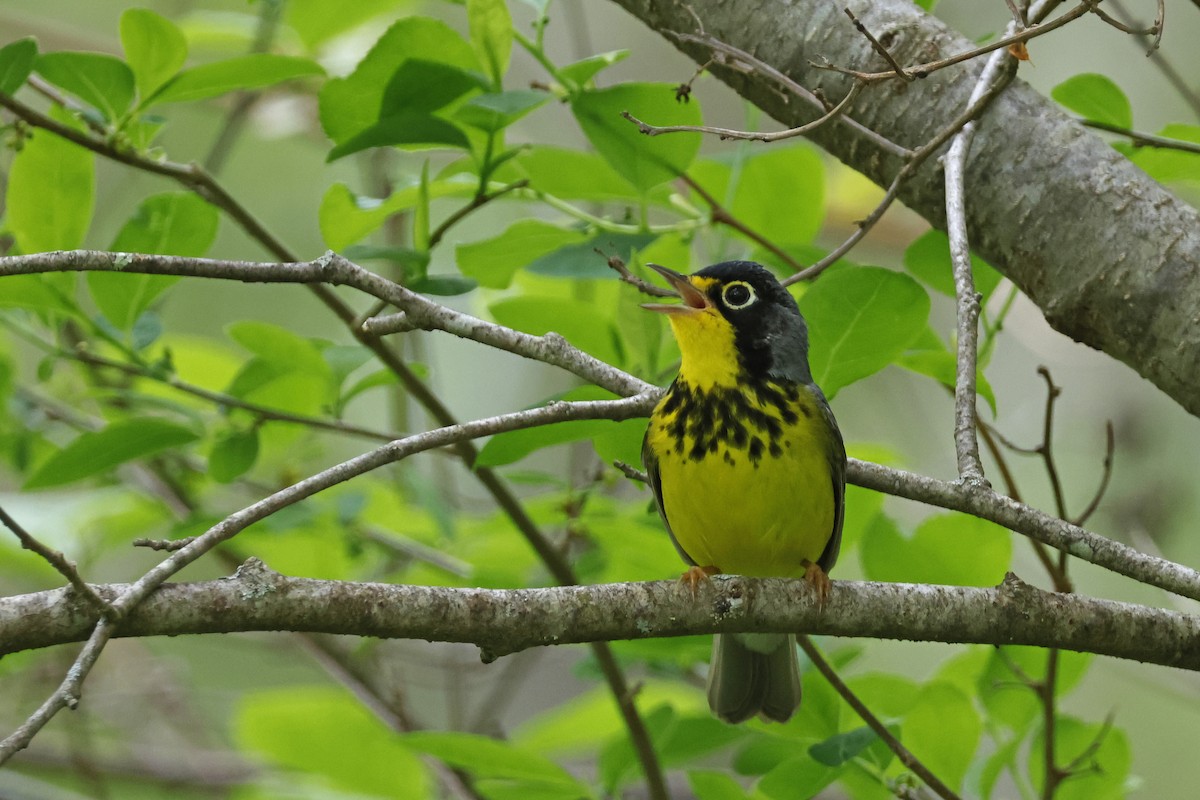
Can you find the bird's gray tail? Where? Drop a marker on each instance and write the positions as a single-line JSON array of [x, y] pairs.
[[754, 674]]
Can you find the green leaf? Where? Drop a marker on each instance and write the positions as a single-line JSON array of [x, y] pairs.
[[95, 452], [154, 47], [1001, 689], [352, 104], [512, 446], [575, 319], [346, 218], [494, 112], [442, 285], [421, 218], [837, 750], [281, 348], [349, 747], [928, 259], [582, 261], [644, 161], [169, 224], [32, 291], [1102, 776], [233, 454], [102, 81], [420, 85], [573, 175], [16, 62], [494, 261], [1168, 165], [585, 69], [780, 194], [943, 731], [491, 35], [318, 21], [1004, 758], [1095, 97], [404, 128], [709, 785], [802, 776], [490, 758], [860, 320], [51, 192], [928, 356], [254, 71], [934, 553]]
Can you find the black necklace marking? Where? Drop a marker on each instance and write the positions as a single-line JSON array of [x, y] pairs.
[[699, 422]]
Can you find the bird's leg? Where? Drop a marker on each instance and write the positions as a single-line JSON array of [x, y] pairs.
[[696, 576], [818, 580]]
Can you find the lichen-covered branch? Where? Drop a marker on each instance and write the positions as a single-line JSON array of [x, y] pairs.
[[505, 621]]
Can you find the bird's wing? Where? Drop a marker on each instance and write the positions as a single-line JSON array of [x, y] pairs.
[[837, 469]]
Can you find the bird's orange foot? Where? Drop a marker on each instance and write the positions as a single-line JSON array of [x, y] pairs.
[[816, 578], [695, 576]]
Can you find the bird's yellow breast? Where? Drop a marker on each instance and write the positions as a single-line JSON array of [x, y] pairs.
[[745, 473]]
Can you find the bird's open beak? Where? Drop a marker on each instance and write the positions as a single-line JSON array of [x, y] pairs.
[[693, 299]]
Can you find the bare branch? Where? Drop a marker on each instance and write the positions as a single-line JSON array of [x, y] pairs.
[[506, 621], [60, 563]]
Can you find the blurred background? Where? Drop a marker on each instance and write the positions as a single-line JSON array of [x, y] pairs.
[[276, 168]]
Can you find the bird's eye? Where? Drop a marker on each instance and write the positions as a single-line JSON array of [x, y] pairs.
[[738, 294]]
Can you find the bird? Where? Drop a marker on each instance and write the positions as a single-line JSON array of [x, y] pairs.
[[747, 465]]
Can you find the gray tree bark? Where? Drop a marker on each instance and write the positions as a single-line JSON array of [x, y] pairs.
[[1110, 256], [505, 621]]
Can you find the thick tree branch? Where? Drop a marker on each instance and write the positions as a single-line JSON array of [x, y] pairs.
[[505, 621], [1110, 256]]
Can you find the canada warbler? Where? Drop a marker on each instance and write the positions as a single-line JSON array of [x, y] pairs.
[[747, 465]]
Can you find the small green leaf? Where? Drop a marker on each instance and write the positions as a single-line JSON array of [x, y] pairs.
[[928, 356], [102, 81], [802, 776], [494, 112], [582, 261], [346, 218], [943, 730], [350, 747], [442, 285], [837, 750], [577, 320], [404, 128], [780, 194], [350, 105], [860, 320], [280, 348], [95, 452], [16, 62], [1005, 758], [419, 85], [934, 553], [491, 35], [573, 175], [50, 195], [318, 21], [494, 261], [644, 161], [1168, 165], [154, 47], [171, 224], [233, 454], [421, 222], [585, 69], [928, 258], [1095, 97], [488, 758], [1101, 776], [711, 785], [254, 71]]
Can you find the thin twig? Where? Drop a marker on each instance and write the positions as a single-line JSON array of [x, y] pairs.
[[60, 563], [990, 82], [879, 48], [916, 159], [477, 202], [753, 136], [226, 400], [617, 264], [874, 723], [631, 472], [1105, 477], [928, 68], [1139, 139], [739, 60]]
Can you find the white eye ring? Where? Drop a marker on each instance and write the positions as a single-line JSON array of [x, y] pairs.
[[738, 302]]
